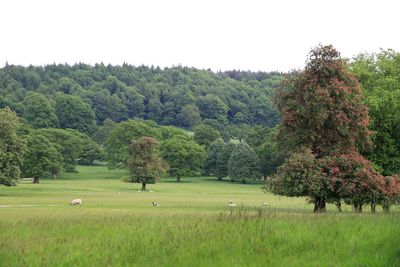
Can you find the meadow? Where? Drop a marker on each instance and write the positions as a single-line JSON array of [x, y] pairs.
[[118, 226]]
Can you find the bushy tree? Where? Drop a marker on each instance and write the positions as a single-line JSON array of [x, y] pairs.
[[325, 120], [205, 134], [12, 147], [243, 163], [223, 156], [322, 106], [143, 161], [210, 162], [73, 146], [270, 153], [183, 155], [189, 116], [41, 159], [119, 138], [334, 178], [39, 111], [74, 113], [379, 74]]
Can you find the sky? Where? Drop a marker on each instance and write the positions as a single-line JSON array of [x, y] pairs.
[[219, 35]]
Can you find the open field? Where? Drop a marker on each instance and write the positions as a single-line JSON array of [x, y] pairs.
[[118, 226]]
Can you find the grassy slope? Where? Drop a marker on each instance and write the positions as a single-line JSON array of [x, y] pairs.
[[193, 227]]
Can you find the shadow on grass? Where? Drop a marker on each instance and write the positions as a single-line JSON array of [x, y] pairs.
[[248, 182]]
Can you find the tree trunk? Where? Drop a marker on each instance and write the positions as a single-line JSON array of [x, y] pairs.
[[357, 208], [339, 205], [373, 206], [54, 175], [143, 186], [319, 205], [178, 179], [386, 207], [35, 180], [243, 181]]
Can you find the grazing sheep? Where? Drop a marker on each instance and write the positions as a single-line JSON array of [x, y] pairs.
[[231, 204], [155, 204], [77, 201]]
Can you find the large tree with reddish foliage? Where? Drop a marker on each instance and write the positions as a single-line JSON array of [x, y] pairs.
[[144, 163], [324, 123], [321, 107]]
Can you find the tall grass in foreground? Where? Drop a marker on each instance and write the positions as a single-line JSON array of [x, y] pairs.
[[242, 238]]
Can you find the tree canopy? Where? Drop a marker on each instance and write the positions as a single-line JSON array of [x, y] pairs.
[[324, 124], [183, 155], [144, 163], [243, 163], [12, 147]]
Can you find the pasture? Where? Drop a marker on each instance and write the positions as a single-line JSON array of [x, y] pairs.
[[118, 226]]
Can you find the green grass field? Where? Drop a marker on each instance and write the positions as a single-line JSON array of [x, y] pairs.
[[118, 226]]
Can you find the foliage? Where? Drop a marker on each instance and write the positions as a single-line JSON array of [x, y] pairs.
[[270, 153], [324, 116], [243, 163], [210, 162], [333, 178], [12, 147], [41, 159], [189, 116], [120, 136], [144, 163], [73, 146], [102, 131], [39, 111], [184, 156], [321, 107], [205, 134], [168, 132], [223, 156], [379, 76], [74, 113], [177, 96]]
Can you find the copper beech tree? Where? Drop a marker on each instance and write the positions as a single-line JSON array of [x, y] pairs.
[[144, 163], [324, 124]]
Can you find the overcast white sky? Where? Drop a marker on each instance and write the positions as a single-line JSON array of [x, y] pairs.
[[217, 34]]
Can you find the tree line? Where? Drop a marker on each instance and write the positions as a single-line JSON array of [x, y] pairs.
[[83, 96]]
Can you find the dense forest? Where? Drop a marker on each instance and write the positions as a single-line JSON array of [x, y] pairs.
[[177, 96]]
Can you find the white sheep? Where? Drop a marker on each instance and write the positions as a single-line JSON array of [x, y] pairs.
[[231, 204], [76, 201], [155, 204]]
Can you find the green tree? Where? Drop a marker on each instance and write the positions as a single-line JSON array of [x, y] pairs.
[[212, 107], [39, 111], [210, 162], [42, 158], [243, 163], [205, 135], [72, 145], [144, 163], [184, 156], [189, 116], [119, 138], [74, 113], [270, 153], [223, 157], [379, 75], [12, 147]]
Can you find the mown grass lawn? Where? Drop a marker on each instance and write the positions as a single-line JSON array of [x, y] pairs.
[[118, 226]]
